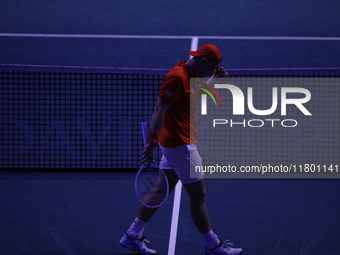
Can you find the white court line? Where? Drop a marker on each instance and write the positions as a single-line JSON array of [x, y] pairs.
[[101, 36], [174, 219]]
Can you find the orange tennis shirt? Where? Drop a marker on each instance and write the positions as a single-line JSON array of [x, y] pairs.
[[180, 123]]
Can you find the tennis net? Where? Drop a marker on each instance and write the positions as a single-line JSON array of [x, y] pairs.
[[89, 118]]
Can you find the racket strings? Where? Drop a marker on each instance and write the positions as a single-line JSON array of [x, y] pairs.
[[151, 186]]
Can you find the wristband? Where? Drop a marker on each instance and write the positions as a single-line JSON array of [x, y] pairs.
[[153, 138]]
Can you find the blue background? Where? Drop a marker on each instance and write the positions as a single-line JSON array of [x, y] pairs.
[[179, 18]]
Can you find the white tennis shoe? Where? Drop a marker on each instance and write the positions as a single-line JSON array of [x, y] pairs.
[[136, 245], [223, 249]]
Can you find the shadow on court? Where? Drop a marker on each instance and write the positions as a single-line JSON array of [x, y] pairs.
[[71, 213], [87, 213]]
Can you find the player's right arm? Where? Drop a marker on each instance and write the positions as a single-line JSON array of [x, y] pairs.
[[155, 127], [158, 116]]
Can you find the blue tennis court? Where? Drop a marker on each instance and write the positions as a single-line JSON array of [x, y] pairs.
[[87, 213], [58, 211], [262, 34]]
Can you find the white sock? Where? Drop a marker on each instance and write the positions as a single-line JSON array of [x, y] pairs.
[[136, 229], [210, 239]]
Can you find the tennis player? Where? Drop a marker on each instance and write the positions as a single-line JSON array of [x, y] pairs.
[[170, 128]]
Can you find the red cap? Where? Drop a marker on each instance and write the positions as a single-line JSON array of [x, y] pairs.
[[208, 50]]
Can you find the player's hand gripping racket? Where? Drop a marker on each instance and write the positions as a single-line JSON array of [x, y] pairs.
[[151, 184]]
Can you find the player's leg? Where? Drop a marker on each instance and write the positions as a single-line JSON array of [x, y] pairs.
[[195, 186], [200, 217], [198, 208]]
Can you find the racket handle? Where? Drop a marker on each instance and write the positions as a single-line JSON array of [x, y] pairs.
[[145, 132]]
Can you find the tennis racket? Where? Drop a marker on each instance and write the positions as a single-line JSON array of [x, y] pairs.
[[151, 184]]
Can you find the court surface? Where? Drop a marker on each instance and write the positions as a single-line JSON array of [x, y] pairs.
[[250, 34], [87, 213]]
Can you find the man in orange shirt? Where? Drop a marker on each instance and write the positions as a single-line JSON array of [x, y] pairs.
[[173, 127]]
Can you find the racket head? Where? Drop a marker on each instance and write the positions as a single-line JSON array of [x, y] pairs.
[[151, 185]]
